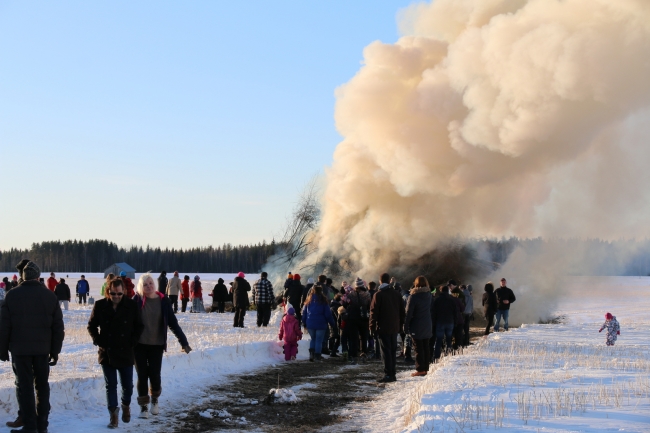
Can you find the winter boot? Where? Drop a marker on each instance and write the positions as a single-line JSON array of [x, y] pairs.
[[408, 359], [155, 410], [17, 423], [311, 355], [115, 412], [143, 402], [126, 413], [333, 354], [318, 357], [345, 356]]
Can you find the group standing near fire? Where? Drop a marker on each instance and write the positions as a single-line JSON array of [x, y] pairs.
[[364, 320]]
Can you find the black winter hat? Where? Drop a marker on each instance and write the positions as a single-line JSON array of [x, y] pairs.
[[20, 266], [452, 283], [31, 271]]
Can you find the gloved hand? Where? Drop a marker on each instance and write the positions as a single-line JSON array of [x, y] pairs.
[[187, 349], [53, 360], [4, 357], [279, 338], [618, 332], [600, 330]]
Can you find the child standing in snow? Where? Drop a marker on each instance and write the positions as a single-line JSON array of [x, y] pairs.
[[290, 332], [613, 329]]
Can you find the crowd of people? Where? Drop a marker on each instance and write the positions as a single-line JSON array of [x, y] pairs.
[[129, 324]]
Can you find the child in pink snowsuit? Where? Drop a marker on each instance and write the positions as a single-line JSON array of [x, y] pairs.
[[613, 329], [291, 333]]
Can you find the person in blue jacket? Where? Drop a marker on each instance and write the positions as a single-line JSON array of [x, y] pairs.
[[316, 315], [83, 289]]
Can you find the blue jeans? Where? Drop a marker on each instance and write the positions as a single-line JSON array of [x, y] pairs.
[[505, 314], [126, 380], [444, 331], [317, 337]]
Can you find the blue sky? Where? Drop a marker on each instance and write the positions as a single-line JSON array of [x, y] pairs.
[[172, 124]]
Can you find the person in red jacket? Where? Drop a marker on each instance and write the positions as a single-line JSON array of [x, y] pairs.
[[52, 282], [128, 285], [290, 332], [185, 292]]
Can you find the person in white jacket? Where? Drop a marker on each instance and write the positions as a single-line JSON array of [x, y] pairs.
[[173, 289]]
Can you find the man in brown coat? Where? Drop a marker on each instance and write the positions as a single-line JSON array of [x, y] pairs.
[[386, 321]]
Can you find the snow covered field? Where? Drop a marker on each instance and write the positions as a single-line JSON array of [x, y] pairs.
[[538, 378]]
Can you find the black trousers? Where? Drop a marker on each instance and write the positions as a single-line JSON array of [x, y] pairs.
[[148, 363], [82, 298], [490, 322], [334, 341], [422, 354], [459, 336], [388, 345], [263, 314], [239, 317], [173, 299], [364, 334], [352, 329], [218, 307], [184, 304], [466, 330], [32, 371]]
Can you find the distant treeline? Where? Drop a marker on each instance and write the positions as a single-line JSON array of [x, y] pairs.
[[97, 255]]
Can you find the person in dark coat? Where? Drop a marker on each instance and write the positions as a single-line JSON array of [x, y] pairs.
[[162, 283], [157, 318], [263, 298], [418, 323], [219, 296], [115, 327], [444, 316], [62, 292], [386, 320], [505, 297], [459, 333], [357, 304], [240, 302], [293, 294], [32, 329], [316, 316], [489, 306], [335, 338]]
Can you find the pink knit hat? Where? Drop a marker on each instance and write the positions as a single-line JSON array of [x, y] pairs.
[[241, 275], [609, 316]]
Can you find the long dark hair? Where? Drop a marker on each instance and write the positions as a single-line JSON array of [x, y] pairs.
[[317, 293]]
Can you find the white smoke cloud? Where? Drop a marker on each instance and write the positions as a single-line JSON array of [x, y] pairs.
[[493, 118]]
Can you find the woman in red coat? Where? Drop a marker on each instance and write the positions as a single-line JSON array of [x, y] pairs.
[[185, 293]]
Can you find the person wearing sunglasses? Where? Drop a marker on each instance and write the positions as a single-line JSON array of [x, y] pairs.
[[115, 326]]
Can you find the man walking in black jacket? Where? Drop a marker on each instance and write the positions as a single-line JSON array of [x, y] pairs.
[[386, 320], [505, 297], [31, 328]]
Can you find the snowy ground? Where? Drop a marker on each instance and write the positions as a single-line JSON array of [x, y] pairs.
[[538, 378], [77, 385]]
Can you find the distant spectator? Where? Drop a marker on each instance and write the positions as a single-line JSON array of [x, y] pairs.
[[418, 323], [185, 292], [102, 292], [386, 320], [83, 288], [505, 297], [489, 306], [240, 289], [162, 282], [316, 316], [62, 292], [129, 287], [290, 332], [173, 288], [51, 282], [196, 295], [219, 297], [443, 316], [468, 314], [263, 298], [293, 294]]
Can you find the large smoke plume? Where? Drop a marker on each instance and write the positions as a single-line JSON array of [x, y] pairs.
[[493, 118]]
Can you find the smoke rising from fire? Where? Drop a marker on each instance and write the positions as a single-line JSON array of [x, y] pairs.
[[493, 118]]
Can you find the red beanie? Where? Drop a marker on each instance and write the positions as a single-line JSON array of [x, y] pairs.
[[296, 277], [609, 316]]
